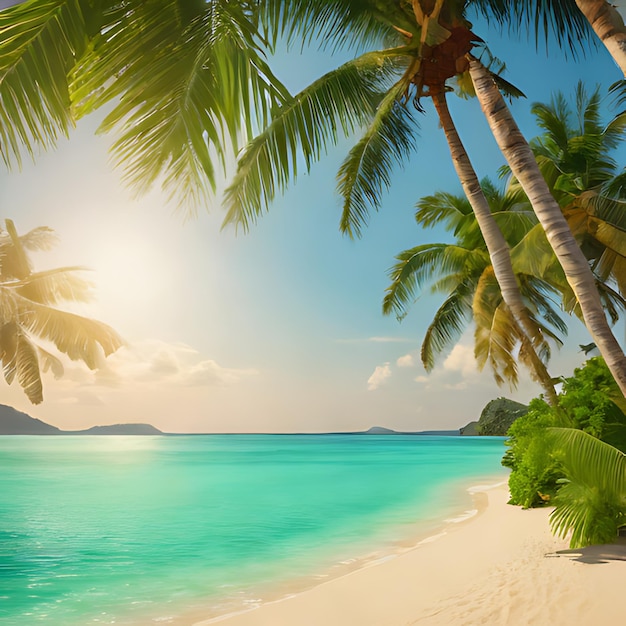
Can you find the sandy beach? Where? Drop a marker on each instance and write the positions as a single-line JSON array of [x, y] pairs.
[[501, 567]]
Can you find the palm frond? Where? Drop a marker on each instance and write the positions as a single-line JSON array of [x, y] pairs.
[[20, 359], [54, 286], [40, 42], [449, 322], [191, 84], [334, 24], [592, 503], [496, 335], [550, 20], [27, 368], [8, 348], [421, 264], [337, 103], [533, 255], [50, 362], [40, 238], [79, 337], [446, 209], [367, 170]]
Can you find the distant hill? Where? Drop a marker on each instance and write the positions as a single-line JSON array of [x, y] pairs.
[[496, 418], [379, 430], [14, 422], [117, 429]]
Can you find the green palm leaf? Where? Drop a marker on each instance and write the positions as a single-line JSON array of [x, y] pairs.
[[186, 81], [388, 140], [40, 41], [449, 322], [418, 265], [339, 101], [592, 503], [552, 20], [335, 24]]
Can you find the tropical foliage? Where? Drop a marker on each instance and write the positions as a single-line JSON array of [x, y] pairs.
[[575, 155], [590, 401], [30, 319], [463, 273], [591, 502], [186, 82]]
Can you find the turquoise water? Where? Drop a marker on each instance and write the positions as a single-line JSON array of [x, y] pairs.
[[134, 529]]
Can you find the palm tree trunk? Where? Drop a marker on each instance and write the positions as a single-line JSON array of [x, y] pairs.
[[498, 249], [524, 167], [608, 24]]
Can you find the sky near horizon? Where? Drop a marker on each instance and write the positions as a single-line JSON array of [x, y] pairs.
[[280, 329]]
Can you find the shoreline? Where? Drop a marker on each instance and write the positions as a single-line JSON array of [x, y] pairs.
[[466, 501], [496, 564]]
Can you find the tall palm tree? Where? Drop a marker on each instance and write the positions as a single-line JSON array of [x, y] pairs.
[[524, 167], [432, 44], [531, 337], [203, 67], [29, 314], [463, 272]]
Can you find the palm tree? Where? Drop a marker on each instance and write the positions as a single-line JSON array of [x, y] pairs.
[[524, 167], [574, 156], [463, 272], [28, 315], [432, 44], [526, 330], [186, 72]]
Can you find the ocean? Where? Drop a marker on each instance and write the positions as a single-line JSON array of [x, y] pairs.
[[141, 530]]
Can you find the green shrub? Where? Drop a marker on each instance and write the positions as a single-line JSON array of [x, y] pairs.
[[535, 472], [589, 401]]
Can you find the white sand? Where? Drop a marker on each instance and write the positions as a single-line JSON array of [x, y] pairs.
[[501, 567]]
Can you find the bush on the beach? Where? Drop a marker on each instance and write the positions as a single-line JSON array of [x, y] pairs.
[[589, 401], [535, 472]]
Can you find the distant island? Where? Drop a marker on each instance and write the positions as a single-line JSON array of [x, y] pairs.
[[495, 420], [13, 422]]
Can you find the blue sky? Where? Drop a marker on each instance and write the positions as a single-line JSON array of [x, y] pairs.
[[279, 329]]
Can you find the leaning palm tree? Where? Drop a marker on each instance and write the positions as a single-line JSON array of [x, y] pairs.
[[29, 315], [431, 42], [185, 73], [524, 167], [462, 271]]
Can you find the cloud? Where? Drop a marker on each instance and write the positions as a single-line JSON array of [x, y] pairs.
[[462, 360], [406, 361], [422, 379], [381, 373], [153, 362]]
